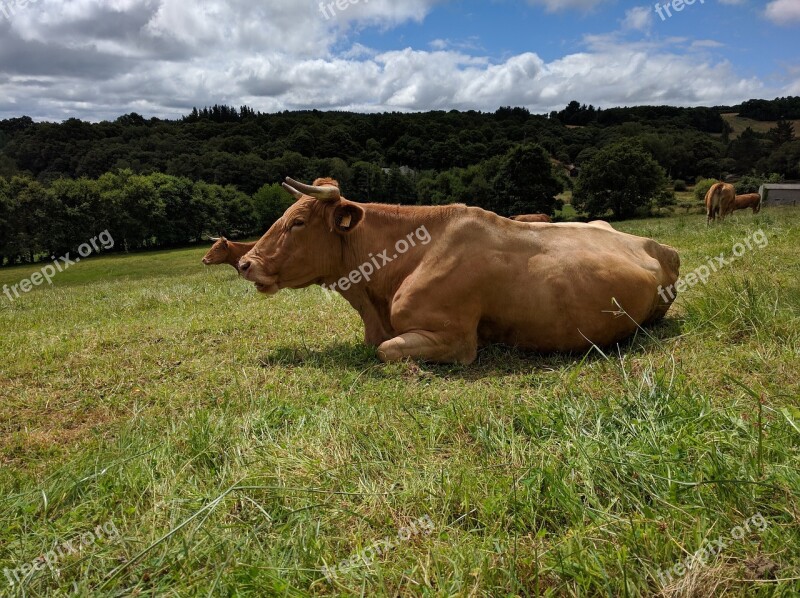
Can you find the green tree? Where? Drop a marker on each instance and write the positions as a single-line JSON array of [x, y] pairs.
[[620, 179], [369, 183], [5, 216], [28, 219], [751, 184], [782, 133], [526, 183], [400, 189], [271, 201], [746, 150], [138, 210], [784, 160], [79, 213], [702, 187]]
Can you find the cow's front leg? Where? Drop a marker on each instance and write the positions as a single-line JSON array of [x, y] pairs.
[[430, 346]]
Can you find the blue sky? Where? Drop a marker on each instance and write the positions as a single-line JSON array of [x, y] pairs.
[[97, 59], [747, 38]]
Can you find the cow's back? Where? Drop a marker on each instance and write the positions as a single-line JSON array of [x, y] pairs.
[[549, 287]]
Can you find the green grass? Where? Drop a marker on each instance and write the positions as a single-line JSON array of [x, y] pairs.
[[239, 444], [740, 123]]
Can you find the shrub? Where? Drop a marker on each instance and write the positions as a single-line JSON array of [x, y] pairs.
[[623, 179], [679, 185], [751, 184], [702, 188]]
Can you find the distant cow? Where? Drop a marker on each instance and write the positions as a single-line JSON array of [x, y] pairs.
[[719, 201], [532, 218], [478, 279], [226, 252], [749, 200]]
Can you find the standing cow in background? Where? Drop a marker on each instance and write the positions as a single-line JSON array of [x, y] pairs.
[[532, 218], [435, 283], [749, 200], [719, 201], [226, 252]]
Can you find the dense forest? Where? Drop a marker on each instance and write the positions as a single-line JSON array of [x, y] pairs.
[[159, 183]]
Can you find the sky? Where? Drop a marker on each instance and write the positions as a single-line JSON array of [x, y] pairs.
[[99, 59]]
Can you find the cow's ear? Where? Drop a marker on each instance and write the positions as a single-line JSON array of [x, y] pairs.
[[346, 217]]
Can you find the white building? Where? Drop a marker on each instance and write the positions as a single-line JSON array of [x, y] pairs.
[[780, 194]]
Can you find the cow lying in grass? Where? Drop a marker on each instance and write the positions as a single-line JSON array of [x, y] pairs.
[[748, 200], [435, 283], [226, 252]]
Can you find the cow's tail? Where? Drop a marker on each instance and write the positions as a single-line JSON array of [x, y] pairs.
[[713, 202]]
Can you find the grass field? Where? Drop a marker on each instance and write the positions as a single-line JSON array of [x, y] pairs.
[[740, 123], [237, 445]]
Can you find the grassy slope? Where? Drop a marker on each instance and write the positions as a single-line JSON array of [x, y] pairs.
[[141, 388], [740, 123]]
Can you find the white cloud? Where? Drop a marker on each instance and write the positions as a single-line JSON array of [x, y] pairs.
[[783, 12], [638, 18], [558, 5], [706, 43], [97, 59]]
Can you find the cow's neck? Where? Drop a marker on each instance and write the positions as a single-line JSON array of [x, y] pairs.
[[383, 228], [236, 252], [370, 245]]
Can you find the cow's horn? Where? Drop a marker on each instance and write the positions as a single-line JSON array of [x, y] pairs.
[[326, 193], [293, 191], [215, 239]]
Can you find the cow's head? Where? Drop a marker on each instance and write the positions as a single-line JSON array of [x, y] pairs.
[[305, 245], [757, 206], [218, 254]]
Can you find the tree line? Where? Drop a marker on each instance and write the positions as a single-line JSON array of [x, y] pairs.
[[148, 211], [162, 183], [238, 146]]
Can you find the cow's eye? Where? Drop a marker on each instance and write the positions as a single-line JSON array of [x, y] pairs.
[[298, 222]]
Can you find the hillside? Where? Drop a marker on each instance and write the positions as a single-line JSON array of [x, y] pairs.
[[739, 123]]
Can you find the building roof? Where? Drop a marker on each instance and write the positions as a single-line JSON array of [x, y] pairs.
[[782, 186]]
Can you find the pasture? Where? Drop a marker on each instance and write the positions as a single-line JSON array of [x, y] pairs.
[[740, 123], [240, 444]]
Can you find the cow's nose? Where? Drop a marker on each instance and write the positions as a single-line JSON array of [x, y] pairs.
[[245, 266]]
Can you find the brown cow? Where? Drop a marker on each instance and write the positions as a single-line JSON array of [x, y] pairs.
[[226, 252], [532, 218], [748, 200], [719, 201], [479, 279]]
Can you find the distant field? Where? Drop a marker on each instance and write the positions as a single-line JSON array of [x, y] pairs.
[[740, 123], [239, 444]]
